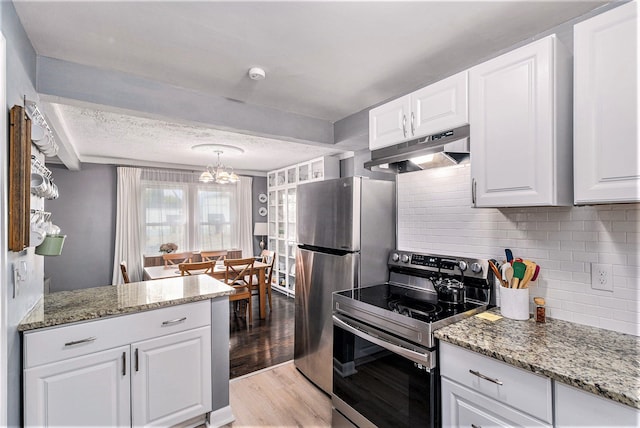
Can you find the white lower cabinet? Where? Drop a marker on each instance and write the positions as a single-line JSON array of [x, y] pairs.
[[464, 407], [152, 368], [481, 391], [83, 391], [576, 408], [169, 378]]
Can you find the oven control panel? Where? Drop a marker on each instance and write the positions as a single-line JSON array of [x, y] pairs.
[[439, 264]]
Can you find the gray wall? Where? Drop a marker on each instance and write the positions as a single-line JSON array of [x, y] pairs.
[[259, 185], [86, 213], [20, 78]]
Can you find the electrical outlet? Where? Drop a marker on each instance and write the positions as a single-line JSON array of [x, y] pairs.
[[601, 277]]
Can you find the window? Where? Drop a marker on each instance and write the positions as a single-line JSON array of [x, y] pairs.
[[194, 216]]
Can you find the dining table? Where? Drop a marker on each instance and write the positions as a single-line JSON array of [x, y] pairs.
[[170, 271]]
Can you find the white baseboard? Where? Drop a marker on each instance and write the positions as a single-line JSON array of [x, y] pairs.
[[221, 417]]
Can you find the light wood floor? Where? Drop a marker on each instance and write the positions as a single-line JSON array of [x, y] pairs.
[[278, 397]]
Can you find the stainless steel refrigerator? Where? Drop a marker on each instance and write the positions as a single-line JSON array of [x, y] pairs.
[[346, 228]]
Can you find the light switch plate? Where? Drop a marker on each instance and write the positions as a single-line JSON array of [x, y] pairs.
[[601, 277]]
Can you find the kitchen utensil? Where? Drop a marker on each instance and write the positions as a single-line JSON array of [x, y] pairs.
[[507, 273], [528, 273], [509, 255], [518, 273], [535, 274], [496, 272]]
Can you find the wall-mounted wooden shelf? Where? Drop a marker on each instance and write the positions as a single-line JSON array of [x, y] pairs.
[[19, 179]]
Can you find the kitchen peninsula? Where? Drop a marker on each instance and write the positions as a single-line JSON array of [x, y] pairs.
[[151, 352]]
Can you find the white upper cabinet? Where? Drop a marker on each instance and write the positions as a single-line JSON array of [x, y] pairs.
[[435, 108], [520, 117], [606, 149], [388, 123]]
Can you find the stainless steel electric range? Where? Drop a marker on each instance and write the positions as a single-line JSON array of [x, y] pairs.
[[385, 363]]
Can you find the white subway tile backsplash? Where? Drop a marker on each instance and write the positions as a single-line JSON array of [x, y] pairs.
[[435, 215]]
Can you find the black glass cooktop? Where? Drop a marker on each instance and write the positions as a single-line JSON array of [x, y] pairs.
[[422, 305]]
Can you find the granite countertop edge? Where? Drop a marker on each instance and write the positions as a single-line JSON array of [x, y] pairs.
[[94, 315], [525, 362], [89, 304]]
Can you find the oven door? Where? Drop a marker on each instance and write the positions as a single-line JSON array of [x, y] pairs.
[[380, 380]]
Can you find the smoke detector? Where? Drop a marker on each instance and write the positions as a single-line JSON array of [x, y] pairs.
[[257, 73]]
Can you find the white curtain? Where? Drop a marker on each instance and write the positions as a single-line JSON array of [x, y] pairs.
[[128, 245], [244, 210]]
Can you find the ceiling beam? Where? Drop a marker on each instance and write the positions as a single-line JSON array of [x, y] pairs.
[[62, 79]]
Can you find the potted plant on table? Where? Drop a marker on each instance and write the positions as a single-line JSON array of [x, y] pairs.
[[169, 247]]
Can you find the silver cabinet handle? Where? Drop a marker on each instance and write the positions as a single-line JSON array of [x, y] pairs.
[[137, 366], [473, 191], [77, 342], [481, 376], [413, 128], [404, 125], [124, 364], [175, 321]]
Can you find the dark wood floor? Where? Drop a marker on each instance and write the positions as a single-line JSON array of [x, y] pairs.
[[267, 342]]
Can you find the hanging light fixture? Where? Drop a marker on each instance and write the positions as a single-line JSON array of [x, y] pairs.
[[219, 173]]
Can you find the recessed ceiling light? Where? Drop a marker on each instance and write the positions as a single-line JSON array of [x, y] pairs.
[[257, 73], [213, 148]]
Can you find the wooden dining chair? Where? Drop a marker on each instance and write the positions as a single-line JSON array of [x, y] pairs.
[[196, 268], [213, 256], [239, 275], [177, 258], [123, 269], [268, 257]]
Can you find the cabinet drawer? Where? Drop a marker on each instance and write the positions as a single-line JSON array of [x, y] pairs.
[[59, 343], [519, 389], [463, 407]]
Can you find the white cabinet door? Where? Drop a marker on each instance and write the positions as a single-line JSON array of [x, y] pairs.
[[519, 111], [171, 378], [463, 407], [389, 123], [576, 408], [606, 148], [91, 390], [440, 106]]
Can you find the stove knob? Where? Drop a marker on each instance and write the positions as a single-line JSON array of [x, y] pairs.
[[405, 258], [476, 268], [395, 257], [462, 265]]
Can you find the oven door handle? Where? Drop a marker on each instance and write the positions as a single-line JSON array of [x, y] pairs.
[[414, 356]]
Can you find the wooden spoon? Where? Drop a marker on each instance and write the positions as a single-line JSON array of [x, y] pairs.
[[528, 274], [507, 273]]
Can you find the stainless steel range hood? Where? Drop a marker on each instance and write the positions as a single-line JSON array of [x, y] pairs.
[[442, 149]]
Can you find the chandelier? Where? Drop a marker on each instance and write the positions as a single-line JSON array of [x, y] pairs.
[[219, 173]]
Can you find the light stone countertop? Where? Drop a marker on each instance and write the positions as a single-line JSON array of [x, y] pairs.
[[66, 307], [600, 361]]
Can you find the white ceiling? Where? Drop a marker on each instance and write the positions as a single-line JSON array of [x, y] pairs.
[[131, 140], [326, 60]]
